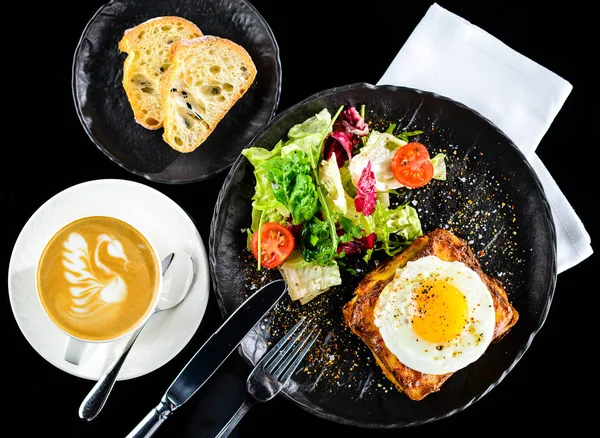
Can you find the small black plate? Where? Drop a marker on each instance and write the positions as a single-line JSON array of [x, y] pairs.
[[107, 117], [492, 198]]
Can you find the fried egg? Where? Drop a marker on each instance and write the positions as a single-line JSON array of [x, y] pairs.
[[435, 316]]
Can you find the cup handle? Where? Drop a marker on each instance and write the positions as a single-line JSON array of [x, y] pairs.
[[74, 349]]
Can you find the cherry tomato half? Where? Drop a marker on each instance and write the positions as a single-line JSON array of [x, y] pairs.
[[276, 244], [412, 166]]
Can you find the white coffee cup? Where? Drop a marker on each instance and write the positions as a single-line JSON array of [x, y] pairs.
[[98, 280]]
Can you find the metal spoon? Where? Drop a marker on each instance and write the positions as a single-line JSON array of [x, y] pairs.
[[177, 271]]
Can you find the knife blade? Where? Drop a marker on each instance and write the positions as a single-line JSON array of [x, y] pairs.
[[211, 356]]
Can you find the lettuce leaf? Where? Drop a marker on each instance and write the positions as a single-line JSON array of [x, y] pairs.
[[317, 124], [359, 219], [347, 183], [308, 136], [308, 280], [292, 184], [264, 203], [439, 167], [396, 227], [379, 151], [331, 179]]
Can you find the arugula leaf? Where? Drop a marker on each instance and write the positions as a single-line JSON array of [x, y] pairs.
[[363, 109], [404, 135], [351, 230]]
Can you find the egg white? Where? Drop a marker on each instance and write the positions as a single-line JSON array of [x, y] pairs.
[[396, 306]]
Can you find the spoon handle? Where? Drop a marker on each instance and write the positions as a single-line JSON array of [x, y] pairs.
[[94, 402]]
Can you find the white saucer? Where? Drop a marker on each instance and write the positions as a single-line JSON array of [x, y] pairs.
[[155, 215]]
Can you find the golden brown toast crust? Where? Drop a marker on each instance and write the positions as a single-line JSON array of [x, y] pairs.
[[358, 312]]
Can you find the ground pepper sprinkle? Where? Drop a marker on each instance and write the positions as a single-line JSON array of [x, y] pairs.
[[474, 202]]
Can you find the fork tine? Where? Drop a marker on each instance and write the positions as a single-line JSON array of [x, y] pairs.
[[270, 360], [297, 356], [284, 352], [262, 385]]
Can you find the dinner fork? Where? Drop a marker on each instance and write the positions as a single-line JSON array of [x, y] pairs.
[[274, 370]]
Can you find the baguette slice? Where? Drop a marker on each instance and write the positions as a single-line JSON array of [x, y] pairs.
[[147, 46], [208, 75]]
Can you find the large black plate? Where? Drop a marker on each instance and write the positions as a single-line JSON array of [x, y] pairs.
[[491, 197], [105, 113]]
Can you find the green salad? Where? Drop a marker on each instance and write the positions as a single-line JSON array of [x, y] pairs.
[[323, 194]]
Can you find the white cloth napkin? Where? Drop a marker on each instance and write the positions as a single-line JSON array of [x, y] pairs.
[[450, 56]]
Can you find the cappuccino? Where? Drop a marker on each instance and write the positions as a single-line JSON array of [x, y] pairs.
[[98, 278]]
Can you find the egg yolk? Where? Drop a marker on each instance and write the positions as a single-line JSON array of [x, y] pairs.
[[441, 312]]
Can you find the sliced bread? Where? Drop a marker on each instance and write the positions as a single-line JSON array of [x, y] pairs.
[[147, 46], [208, 75]]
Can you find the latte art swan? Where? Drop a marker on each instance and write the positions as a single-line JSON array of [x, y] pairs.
[[95, 284], [98, 278]]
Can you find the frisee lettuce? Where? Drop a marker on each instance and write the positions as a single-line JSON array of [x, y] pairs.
[[396, 227]]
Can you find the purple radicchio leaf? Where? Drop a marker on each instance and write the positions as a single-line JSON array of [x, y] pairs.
[[366, 196]]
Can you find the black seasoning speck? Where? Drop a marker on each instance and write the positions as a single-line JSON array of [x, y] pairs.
[[472, 203]]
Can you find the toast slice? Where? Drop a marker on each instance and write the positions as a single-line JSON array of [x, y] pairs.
[[359, 316], [147, 46], [208, 75]]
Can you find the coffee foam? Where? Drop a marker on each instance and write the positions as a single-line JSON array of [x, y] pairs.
[[90, 293], [98, 278]]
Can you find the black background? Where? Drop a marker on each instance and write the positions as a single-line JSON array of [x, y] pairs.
[[323, 44]]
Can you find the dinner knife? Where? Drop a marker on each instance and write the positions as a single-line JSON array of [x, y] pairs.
[[211, 356]]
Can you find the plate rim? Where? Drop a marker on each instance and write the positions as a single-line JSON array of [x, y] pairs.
[[80, 116], [552, 281]]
